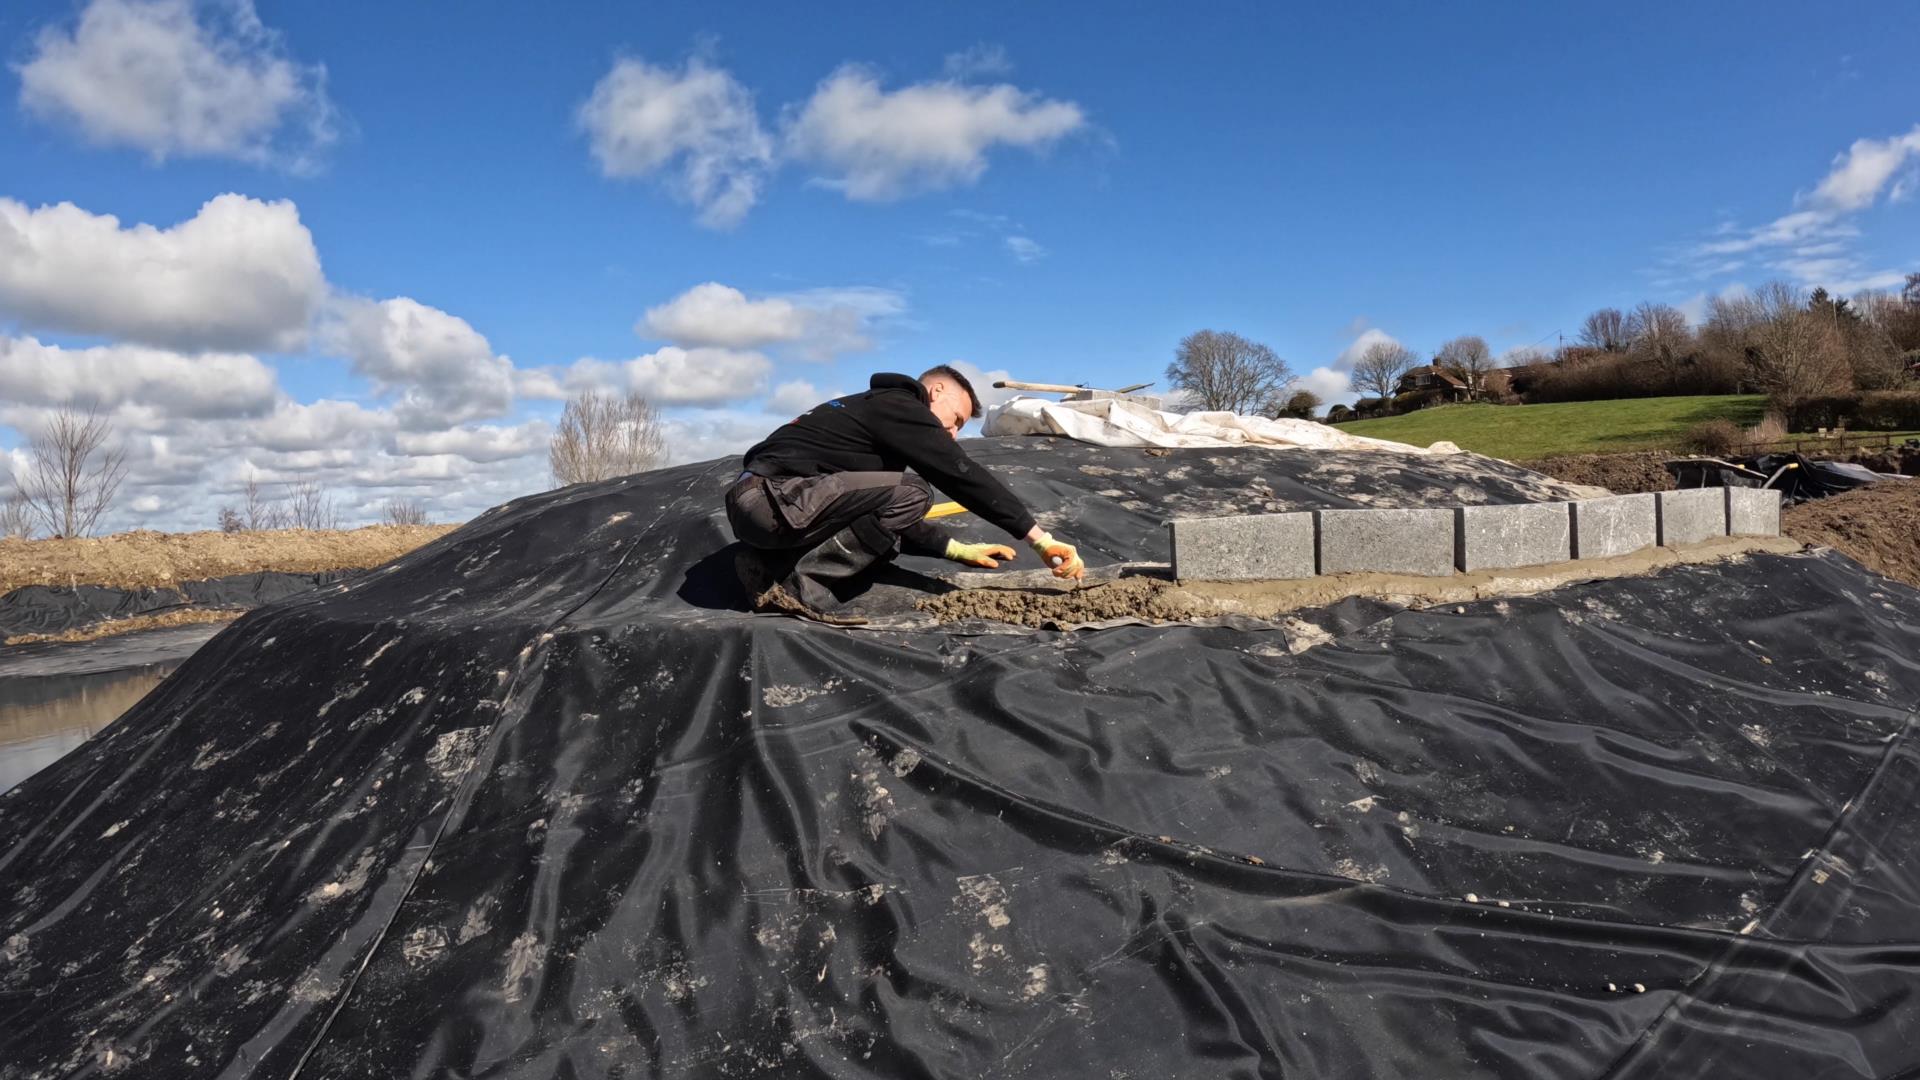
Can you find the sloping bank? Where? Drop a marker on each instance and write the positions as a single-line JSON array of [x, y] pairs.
[[540, 799], [76, 588]]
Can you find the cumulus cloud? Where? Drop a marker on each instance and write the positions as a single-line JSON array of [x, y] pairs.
[[676, 376], [179, 78], [697, 124], [819, 323], [240, 274], [1328, 384], [1817, 242], [794, 397], [877, 144], [165, 383], [442, 369], [480, 443], [327, 424], [1366, 339], [708, 435], [716, 314], [983, 381]]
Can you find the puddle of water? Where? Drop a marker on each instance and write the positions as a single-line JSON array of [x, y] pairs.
[[43, 718]]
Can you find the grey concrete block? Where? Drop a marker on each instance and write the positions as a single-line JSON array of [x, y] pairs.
[[1692, 515], [1386, 541], [1619, 525], [1753, 511], [1253, 547], [1501, 537]]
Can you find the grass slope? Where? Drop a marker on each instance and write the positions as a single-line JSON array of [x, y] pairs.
[[1525, 432]]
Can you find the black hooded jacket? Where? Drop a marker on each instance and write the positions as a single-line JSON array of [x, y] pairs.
[[889, 428]]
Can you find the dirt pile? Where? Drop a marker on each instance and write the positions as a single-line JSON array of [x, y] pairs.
[[1877, 526], [1622, 474], [145, 559]]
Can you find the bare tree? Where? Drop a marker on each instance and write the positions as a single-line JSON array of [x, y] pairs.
[[74, 469], [1225, 372], [1380, 367], [1658, 334], [1468, 358], [308, 506], [600, 437], [1793, 353], [1605, 330], [16, 518], [231, 521], [400, 511], [261, 510]]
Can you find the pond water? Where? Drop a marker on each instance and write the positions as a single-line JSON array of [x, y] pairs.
[[44, 717]]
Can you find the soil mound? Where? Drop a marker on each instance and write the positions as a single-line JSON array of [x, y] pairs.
[[1877, 526], [1622, 474], [144, 559], [539, 799]]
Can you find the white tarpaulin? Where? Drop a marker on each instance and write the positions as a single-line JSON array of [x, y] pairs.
[[1118, 422]]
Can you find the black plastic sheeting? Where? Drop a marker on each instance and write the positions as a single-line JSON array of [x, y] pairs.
[[49, 609], [1806, 479], [531, 802]]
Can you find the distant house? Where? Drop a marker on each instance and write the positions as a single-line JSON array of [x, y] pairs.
[[1428, 379], [1437, 381]]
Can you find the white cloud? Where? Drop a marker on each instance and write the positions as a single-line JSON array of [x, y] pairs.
[[442, 368], [708, 435], [716, 314], [166, 383], [1367, 339], [146, 504], [1326, 383], [239, 274], [794, 397], [1859, 174], [675, 376], [983, 381], [322, 425], [1816, 244], [698, 121], [173, 77], [879, 144], [1025, 249], [819, 324], [483, 443]]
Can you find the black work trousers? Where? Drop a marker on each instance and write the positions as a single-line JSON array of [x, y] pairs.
[[796, 513]]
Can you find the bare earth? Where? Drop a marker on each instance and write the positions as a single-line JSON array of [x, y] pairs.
[[1877, 526], [146, 559]]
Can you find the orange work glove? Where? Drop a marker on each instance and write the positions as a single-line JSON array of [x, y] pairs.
[[985, 556], [1061, 556]]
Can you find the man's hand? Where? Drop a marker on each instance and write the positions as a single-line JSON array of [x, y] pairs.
[[1061, 556], [985, 556]]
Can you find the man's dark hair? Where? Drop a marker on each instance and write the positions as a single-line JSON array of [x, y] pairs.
[[946, 371]]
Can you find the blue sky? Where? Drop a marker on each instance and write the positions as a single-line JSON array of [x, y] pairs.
[[445, 217]]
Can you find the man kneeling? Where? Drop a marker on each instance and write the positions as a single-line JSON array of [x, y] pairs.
[[828, 495]]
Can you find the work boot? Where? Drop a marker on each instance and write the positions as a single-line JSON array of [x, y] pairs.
[[767, 594], [840, 558]]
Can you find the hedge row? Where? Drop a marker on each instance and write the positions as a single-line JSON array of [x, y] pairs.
[[1872, 410]]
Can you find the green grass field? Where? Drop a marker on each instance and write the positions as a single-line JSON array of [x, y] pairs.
[[1525, 432]]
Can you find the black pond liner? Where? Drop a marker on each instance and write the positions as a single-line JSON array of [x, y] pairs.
[[537, 800]]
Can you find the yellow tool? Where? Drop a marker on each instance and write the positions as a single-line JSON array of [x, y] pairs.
[[945, 509]]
